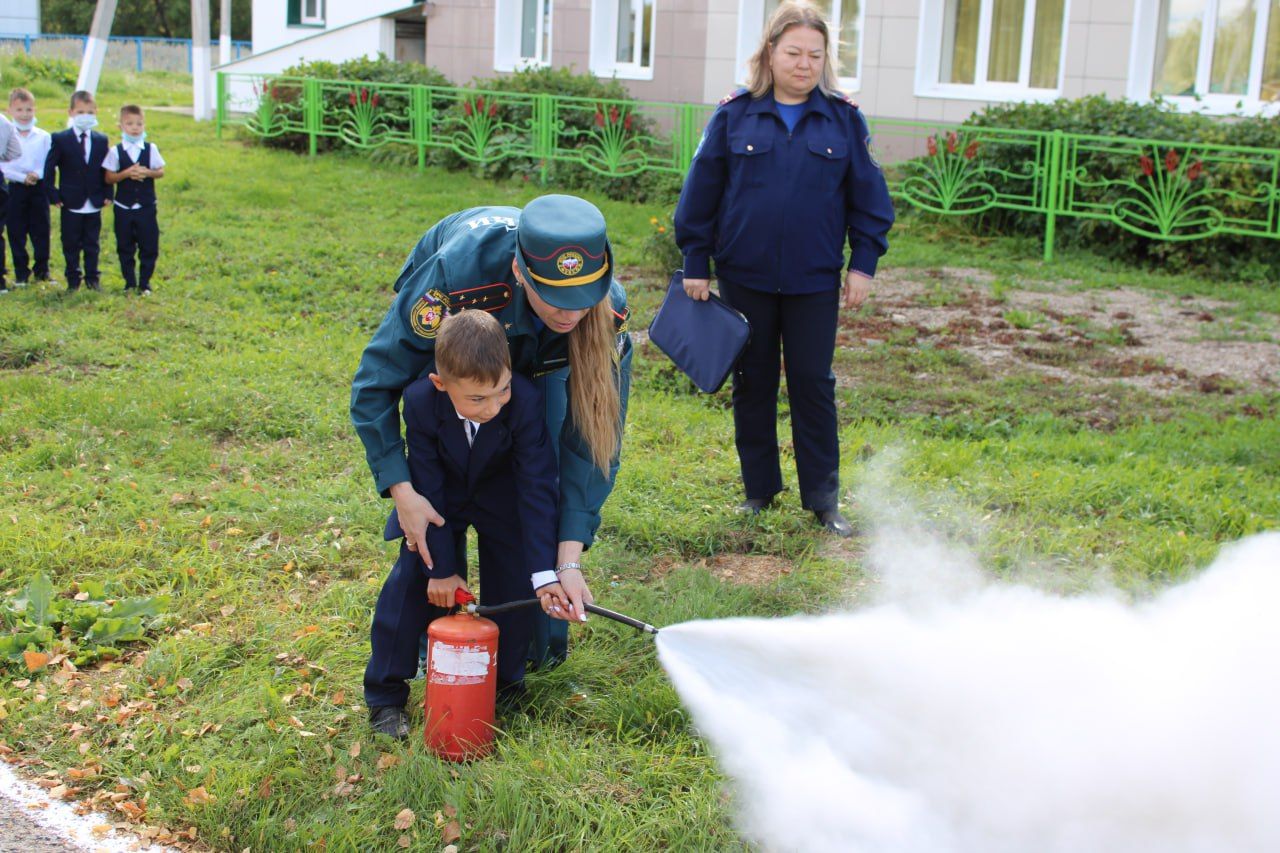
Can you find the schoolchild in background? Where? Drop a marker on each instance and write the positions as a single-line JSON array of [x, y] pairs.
[[480, 451], [26, 216], [75, 182], [133, 167], [9, 150]]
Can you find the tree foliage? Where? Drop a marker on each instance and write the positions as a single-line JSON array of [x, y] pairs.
[[162, 18]]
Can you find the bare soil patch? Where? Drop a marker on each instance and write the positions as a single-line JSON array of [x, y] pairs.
[[746, 569], [1160, 344]]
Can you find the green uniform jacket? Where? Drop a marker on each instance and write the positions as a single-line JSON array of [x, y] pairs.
[[464, 261]]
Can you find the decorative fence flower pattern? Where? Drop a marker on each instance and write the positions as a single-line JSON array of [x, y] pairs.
[[1160, 189]]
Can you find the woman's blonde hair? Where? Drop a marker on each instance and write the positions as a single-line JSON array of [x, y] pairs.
[[790, 14], [593, 384]]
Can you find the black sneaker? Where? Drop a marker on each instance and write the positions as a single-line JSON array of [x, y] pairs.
[[390, 720], [834, 522], [93, 285], [754, 506]]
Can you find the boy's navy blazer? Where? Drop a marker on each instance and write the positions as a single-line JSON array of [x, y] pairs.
[[506, 481], [78, 181]]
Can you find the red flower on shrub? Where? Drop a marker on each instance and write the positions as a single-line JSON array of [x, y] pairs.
[[1148, 167], [480, 104], [493, 108], [953, 142], [613, 115], [971, 150], [626, 122], [599, 119], [1195, 170], [466, 108], [364, 96], [352, 98], [932, 144], [375, 99], [1171, 161], [273, 92]]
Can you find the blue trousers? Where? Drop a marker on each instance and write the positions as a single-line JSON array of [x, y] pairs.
[[137, 233], [81, 233], [27, 217], [799, 331], [403, 613]]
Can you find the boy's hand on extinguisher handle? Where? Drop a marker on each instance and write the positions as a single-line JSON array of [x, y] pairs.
[[440, 590]]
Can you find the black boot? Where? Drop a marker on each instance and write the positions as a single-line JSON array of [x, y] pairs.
[[834, 522], [390, 720], [755, 506]]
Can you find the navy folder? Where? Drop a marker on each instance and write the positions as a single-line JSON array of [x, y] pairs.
[[704, 339]]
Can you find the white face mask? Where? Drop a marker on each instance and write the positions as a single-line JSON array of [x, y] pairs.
[[25, 125], [134, 140], [84, 121]]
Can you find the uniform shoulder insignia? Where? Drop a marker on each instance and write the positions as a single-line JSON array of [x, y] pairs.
[[428, 313], [486, 297], [621, 319], [733, 96], [844, 98]]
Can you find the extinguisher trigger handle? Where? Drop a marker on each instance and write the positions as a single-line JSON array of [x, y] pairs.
[[462, 597]]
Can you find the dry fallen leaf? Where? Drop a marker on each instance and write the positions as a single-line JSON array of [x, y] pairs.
[[264, 788], [404, 841], [198, 796], [354, 752], [228, 610], [387, 760], [405, 819], [452, 832], [450, 811], [35, 660]]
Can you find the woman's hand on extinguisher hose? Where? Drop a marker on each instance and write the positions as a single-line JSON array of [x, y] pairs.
[[440, 590], [575, 594]]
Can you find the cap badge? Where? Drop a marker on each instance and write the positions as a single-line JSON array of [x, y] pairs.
[[569, 263]]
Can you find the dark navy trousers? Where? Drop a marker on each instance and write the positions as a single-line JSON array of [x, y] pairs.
[[26, 216], [137, 233], [800, 332], [403, 613], [81, 233]]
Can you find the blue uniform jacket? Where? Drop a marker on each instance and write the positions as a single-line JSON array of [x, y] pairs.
[[773, 207], [77, 181], [508, 474], [464, 261]]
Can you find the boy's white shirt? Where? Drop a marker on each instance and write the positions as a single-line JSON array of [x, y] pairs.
[[35, 150], [537, 578], [112, 161], [10, 149]]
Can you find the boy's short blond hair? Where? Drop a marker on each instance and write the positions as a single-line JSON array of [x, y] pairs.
[[22, 95], [471, 345]]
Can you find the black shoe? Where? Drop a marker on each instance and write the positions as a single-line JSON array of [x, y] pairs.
[[390, 720], [72, 288], [93, 285], [834, 522], [755, 506], [146, 290], [43, 277]]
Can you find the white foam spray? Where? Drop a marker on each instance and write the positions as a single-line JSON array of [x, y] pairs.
[[963, 715]]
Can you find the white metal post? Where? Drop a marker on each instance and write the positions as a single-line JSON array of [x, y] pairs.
[[95, 47], [224, 40], [201, 62]]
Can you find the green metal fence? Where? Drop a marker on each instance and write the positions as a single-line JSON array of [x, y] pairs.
[[1160, 189]]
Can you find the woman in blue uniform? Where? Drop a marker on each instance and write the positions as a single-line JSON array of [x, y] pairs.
[[784, 175]]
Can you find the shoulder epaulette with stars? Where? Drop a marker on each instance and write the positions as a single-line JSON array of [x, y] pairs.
[[486, 297], [621, 319], [733, 96]]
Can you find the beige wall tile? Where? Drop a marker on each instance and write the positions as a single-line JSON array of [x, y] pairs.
[[1108, 51], [1108, 86], [1112, 11], [894, 93], [721, 36], [719, 80], [871, 43], [898, 40], [1073, 87], [1077, 48]]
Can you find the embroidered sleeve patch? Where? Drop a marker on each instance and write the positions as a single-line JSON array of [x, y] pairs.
[[428, 313]]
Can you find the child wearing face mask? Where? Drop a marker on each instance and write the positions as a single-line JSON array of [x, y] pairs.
[[133, 167], [76, 182], [27, 213]]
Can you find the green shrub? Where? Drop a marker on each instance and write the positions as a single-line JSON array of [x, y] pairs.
[[1244, 257], [64, 72], [659, 249], [380, 69]]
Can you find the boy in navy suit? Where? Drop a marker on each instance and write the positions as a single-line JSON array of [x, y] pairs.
[[479, 449], [133, 167], [80, 188]]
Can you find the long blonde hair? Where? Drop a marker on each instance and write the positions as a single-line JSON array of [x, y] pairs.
[[593, 384], [787, 15]]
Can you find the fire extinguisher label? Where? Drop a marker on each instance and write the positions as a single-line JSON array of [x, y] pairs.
[[452, 664]]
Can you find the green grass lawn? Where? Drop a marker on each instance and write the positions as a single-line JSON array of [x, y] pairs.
[[197, 445]]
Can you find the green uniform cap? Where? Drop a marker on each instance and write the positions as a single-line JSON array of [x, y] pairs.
[[564, 254]]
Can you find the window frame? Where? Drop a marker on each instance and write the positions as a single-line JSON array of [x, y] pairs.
[[1142, 74], [316, 20], [604, 42], [508, 25], [930, 50], [751, 26]]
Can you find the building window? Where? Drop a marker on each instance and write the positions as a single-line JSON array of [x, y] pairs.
[[305, 13], [992, 49], [844, 23], [1213, 56], [522, 34], [622, 38], [313, 12]]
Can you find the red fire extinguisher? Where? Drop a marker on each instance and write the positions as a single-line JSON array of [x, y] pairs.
[[462, 681]]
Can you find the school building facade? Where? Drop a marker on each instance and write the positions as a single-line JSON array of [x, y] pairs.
[[906, 59]]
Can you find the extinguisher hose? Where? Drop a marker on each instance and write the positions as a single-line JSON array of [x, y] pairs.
[[489, 610]]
